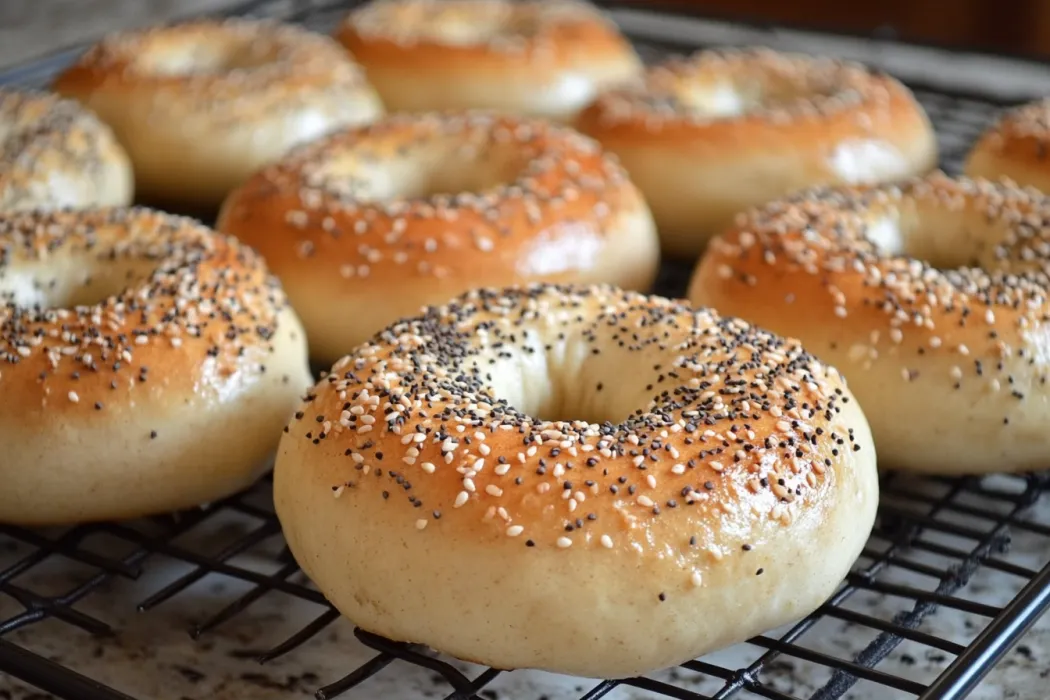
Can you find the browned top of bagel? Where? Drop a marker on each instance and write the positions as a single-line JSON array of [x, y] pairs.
[[543, 191], [480, 36], [736, 95], [738, 433], [100, 306], [228, 64]]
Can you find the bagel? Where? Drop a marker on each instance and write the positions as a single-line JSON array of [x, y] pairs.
[[381, 220], [201, 105], [56, 155], [931, 298], [1015, 147], [543, 58], [147, 364], [711, 135], [491, 480]]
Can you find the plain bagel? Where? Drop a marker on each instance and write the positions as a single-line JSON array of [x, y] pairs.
[[1015, 147], [54, 154], [931, 297], [147, 364], [201, 105], [381, 220], [489, 479], [709, 136], [546, 58]]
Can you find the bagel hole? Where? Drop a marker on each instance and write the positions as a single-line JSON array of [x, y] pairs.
[[69, 283], [575, 403], [432, 167], [204, 55], [563, 379], [714, 94], [718, 100], [943, 238]]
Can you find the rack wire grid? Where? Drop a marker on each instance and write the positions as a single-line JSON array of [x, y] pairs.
[[937, 583]]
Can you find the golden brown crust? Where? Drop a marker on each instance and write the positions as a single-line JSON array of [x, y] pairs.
[[121, 324], [544, 58], [54, 155], [944, 349], [201, 105], [711, 135], [1015, 147], [701, 474], [349, 221]]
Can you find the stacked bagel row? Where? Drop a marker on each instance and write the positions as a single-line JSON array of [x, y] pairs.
[[457, 208]]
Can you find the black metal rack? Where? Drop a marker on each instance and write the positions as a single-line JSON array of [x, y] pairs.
[[936, 538]]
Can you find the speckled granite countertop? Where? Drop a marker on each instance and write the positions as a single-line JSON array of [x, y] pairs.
[[152, 657]]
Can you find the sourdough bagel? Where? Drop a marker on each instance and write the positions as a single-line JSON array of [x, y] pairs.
[[201, 105], [711, 135], [1015, 147], [931, 298], [381, 220], [577, 479], [147, 364], [545, 58], [55, 154]]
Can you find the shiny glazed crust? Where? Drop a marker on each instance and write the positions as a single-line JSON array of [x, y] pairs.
[[712, 135], [930, 297], [350, 222], [546, 58], [721, 487], [55, 154], [201, 105], [1015, 148], [146, 364]]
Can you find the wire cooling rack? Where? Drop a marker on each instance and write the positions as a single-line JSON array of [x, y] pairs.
[[938, 597]]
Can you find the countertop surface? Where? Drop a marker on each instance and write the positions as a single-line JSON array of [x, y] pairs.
[[153, 657]]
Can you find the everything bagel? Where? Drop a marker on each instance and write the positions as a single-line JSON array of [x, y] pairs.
[[709, 136], [628, 466], [930, 297], [414, 209], [147, 364], [201, 105], [541, 58]]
